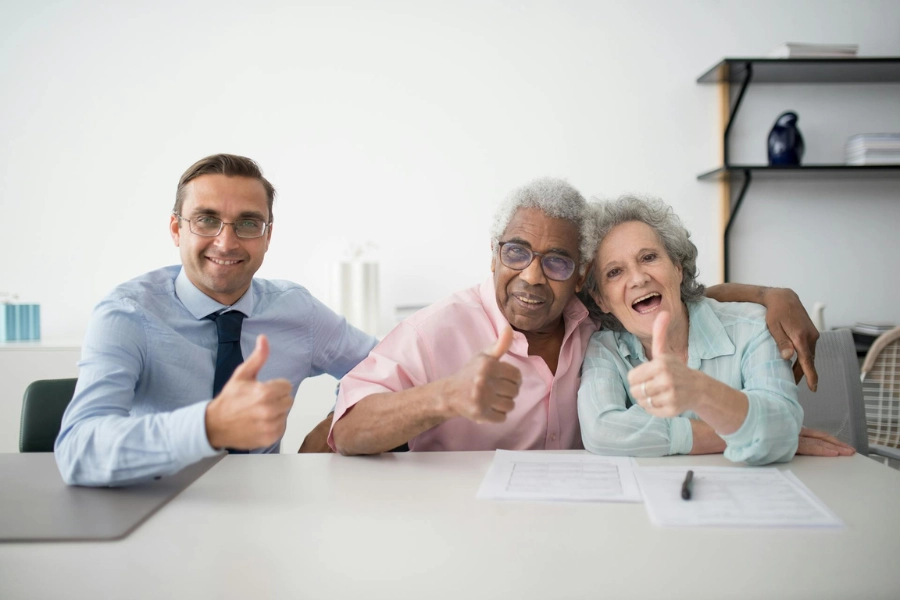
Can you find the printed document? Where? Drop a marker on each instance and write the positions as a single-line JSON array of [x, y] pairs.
[[543, 476], [732, 497]]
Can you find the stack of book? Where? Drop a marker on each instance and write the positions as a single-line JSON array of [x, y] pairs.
[[865, 334], [873, 149], [794, 50], [874, 329]]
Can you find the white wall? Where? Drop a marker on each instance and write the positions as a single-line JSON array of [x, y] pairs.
[[403, 123]]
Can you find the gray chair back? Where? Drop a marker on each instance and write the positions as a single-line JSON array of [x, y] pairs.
[[837, 407], [43, 406]]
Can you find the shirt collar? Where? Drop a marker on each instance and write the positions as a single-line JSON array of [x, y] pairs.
[[201, 306], [707, 337], [573, 314]]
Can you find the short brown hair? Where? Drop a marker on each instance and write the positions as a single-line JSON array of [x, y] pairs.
[[229, 165]]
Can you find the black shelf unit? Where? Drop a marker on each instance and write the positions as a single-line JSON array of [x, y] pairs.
[[743, 71], [733, 172]]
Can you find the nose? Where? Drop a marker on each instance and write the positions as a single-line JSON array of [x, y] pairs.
[[637, 277], [533, 274], [227, 238]]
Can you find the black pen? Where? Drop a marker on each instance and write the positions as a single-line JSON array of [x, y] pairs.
[[688, 486]]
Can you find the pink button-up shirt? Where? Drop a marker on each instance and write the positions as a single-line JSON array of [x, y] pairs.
[[439, 340]]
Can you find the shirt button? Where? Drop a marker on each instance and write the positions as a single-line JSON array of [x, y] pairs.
[[553, 438]]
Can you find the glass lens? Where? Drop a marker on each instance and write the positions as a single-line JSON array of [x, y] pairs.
[[249, 228], [558, 267], [206, 225], [515, 256]]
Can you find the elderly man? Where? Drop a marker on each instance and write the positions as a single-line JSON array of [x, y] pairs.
[[162, 381], [455, 376]]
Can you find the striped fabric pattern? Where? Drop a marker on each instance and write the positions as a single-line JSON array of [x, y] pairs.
[[727, 341], [881, 390]]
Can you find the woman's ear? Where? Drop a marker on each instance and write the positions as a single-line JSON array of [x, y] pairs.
[[598, 298]]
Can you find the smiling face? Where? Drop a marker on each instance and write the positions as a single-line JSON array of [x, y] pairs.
[[530, 301], [636, 277], [222, 267]]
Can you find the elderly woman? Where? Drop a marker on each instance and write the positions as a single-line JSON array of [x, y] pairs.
[[673, 372]]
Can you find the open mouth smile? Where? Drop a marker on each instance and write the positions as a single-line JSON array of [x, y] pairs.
[[647, 304]]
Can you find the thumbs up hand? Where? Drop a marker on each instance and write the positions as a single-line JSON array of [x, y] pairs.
[[665, 386], [249, 413], [483, 391]]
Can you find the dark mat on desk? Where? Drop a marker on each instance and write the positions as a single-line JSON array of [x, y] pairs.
[[36, 506]]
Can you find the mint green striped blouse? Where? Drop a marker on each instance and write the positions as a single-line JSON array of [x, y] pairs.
[[727, 341]]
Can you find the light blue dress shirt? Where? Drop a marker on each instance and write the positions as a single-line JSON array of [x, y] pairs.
[[727, 341], [147, 366]]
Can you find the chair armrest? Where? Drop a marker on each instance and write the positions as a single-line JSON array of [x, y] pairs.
[[884, 451]]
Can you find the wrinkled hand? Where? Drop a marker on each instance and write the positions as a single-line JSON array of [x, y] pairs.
[[248, 413], [818, 443], [665, 386], [484, 389], [793, 330]]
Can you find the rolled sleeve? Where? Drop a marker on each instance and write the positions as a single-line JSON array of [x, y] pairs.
[[400, 361], [770, 431]]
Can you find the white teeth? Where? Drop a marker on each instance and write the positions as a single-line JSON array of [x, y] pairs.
[[224, 262], [650, 295], [526, 301]]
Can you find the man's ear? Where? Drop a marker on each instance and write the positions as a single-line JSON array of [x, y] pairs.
[[268, 237], [175, 230], [579, 283]]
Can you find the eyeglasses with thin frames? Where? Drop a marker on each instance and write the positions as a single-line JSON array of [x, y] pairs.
[[518, 257], [209, 226]]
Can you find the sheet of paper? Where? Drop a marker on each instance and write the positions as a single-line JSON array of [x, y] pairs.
[[556, 477], [732, 497]]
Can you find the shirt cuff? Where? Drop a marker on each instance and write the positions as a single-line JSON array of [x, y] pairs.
[[189, 434], [681, 435]]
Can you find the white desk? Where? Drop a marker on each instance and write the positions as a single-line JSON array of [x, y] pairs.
[[409, 526]]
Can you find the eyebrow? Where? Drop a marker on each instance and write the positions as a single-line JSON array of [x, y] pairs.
[[521, 242], [247, 214], [610, 263]]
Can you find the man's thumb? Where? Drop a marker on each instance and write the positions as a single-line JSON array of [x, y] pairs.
[[504, 341], [250, 368], [660, 327]]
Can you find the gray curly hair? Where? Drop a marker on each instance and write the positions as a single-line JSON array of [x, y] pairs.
[[556, 198], [671, 231]]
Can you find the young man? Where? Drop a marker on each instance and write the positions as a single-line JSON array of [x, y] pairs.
[[155, 389]]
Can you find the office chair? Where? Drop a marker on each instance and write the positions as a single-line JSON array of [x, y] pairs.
[[880, 379], [837, 407], [43, 406]]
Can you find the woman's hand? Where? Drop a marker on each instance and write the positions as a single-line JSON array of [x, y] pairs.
[[664, 386]]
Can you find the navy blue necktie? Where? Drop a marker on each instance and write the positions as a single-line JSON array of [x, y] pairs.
[[228, 355]]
